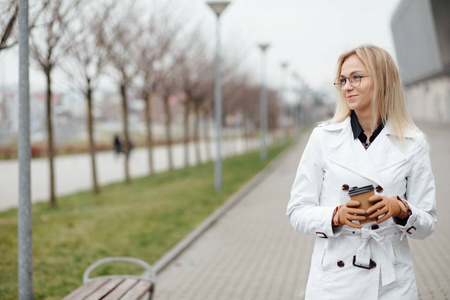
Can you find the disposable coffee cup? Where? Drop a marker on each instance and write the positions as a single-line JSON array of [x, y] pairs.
[[362, 195]]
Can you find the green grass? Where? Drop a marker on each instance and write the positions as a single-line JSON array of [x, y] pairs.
[[143, 219]]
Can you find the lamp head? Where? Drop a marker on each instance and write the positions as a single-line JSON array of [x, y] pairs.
[[218, 6], [264, 46]]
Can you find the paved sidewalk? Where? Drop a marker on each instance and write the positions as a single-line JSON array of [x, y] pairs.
[[250, 253], [431, 256], [253, 253]]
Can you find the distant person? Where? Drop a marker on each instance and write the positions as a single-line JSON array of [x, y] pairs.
[[117, 145], [370, 154]]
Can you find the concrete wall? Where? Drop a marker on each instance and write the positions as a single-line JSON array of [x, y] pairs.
[[429, 100]]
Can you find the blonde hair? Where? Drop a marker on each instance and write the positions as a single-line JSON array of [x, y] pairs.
[[388, 103]]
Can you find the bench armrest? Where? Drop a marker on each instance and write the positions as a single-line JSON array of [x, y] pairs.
[[149, 273]]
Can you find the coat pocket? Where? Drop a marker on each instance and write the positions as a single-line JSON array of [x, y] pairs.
[[340, 279]]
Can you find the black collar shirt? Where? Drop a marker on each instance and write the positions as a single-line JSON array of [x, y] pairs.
[[358, 131]]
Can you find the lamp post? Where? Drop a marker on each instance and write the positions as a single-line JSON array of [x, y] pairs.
[[25, 245], [218, 7], [284, 67], [263, 102], [301, 115]]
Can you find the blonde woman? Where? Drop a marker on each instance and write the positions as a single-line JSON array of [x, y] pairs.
[[370, 153]]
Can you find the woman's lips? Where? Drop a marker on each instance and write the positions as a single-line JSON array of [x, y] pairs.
[[351, 96]]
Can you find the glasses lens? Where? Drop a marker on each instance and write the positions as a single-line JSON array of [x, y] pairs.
[[338, 85], [355, 81]]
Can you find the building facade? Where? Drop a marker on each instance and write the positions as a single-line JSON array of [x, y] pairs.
[[421, 33]]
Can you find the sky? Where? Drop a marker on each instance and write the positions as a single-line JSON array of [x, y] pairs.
[[308, 35]]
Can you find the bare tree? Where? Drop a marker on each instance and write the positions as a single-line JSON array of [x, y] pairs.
[[199, 97], [195, 69], [167, 86], [243, 100], [187, 103], [8, 16], [8, 12], [153, 46], [205, 112], [118, 37], [186, 85], [49, 42], [166, 78], [87, 64]]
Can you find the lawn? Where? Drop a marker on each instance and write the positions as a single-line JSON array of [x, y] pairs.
[[143, 219]]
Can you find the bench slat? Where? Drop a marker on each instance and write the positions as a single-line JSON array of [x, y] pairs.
[[146, 296], [138, 291], [105, 289], [85, 289], [119, 291]]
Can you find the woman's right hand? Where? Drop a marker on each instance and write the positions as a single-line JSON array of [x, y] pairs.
[[349, 212]]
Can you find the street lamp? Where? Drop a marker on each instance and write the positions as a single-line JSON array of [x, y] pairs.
[[284, 66], [263, 102], [218, 7]]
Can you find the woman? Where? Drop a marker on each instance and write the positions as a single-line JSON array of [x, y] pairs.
[[371, 141]]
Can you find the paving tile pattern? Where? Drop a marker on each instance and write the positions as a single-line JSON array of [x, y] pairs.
[[253, 253], [250, 253], [432, 255]]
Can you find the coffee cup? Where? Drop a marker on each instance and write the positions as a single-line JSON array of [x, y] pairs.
[[362, 195]]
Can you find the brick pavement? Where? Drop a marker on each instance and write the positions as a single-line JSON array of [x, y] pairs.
[[431, 256], [253, 253]]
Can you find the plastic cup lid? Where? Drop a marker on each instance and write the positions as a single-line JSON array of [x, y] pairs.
[[360, 190]]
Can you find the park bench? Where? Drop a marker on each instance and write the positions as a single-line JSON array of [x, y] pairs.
[[114, 287]]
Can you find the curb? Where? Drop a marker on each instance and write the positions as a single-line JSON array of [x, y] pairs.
[[179, 248]]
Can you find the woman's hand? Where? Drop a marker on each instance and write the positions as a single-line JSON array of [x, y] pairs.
[[347, 213], [387, 206]]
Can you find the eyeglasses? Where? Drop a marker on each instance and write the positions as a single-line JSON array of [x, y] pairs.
[[355, 81]]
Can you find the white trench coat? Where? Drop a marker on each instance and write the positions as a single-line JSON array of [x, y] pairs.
[[333, 158]]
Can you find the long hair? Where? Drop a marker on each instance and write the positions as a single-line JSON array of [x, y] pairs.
[[388, 103]]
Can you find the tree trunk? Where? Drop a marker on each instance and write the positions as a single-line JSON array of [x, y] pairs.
[[148, 123], [247, 135], [196, 135], [50, 150], [127, 143], [186, 133], [206, 128], [168, 121], [95, 187]]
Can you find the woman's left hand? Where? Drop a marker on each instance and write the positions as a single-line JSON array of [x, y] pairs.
[[387, 206]]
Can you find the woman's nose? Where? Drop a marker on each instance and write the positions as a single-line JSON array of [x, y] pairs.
[[347, 85]]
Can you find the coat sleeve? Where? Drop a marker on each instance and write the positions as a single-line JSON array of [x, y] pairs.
[[304, 210], [421, 195]]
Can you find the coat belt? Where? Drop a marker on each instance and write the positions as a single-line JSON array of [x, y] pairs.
[[372, 241]]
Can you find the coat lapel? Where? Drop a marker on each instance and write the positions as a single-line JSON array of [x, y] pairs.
[[350, 154], [383, 153]]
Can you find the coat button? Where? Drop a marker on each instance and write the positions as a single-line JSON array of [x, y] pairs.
[[340, 264], [375, 227], [379, 189], [345, 187]]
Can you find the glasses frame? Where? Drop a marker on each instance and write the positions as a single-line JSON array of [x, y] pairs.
[[339, 86]]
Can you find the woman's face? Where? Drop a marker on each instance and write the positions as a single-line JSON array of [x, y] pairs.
[[358, 98]]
